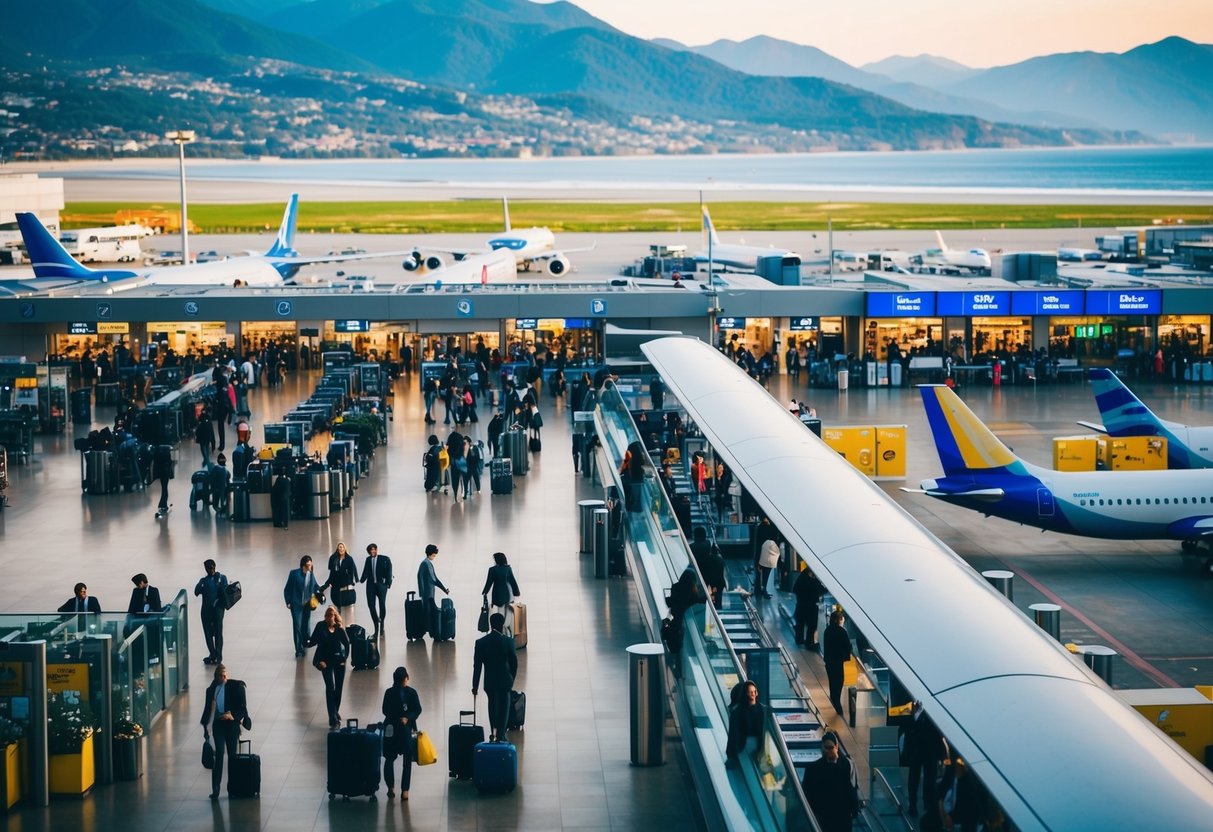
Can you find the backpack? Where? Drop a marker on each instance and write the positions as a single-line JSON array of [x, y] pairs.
[[444, 457]]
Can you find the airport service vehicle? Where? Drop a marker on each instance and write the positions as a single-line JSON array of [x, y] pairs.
[[113, 244]]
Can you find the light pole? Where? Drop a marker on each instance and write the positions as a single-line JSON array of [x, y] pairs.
[[181, 138]]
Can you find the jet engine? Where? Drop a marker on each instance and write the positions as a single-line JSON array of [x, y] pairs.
[[557, 266], [433, 262], [413, 263]]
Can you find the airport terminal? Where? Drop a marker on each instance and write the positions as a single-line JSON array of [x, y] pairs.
[[1052, 664]]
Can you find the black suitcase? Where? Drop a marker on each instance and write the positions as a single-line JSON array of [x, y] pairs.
[[461, 742], [517, 711], [416, 624], [364, 655], [244, 772], [443, 628], [354, 759], [429, 467], [536, 445], [501, 476]]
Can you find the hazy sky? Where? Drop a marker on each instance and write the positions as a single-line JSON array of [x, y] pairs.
[[978, 33]]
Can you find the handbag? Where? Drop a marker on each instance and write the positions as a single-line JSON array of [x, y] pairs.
[[425, 753], [232, 594], [314, 601], [482, 623], [345, 597], [208, 753]]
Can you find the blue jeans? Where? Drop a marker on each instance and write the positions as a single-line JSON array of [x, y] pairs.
[[301, 621]]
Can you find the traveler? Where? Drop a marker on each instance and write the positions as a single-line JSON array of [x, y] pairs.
[[427, 580], [924, 749], [500, 588], [657, 393], [224, 712], [746, 725], [162, 469], [430, 391], [213, 588], [768, 559], [218, 479], [837, 654], [535, 421], [204, 435], [80, 601], [342, 582], [829, 787], [808, 591], [495, 655], [280, 501], [332, 645], [475, 458], [456, 448], [145, 599], [401, 707], [496, 428], [300, 592], [377, 575]]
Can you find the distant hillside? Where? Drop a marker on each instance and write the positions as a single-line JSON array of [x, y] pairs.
[[769, 56], [1163, 87], [928, 70]]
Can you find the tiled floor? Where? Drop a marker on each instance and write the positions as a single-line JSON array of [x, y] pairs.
[[574, 751]]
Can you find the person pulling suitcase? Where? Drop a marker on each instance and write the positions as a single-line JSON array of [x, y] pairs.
[[495, 655], [427, 581]]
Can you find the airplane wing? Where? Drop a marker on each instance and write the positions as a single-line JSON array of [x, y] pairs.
[[548, 255], [300, 261], [1095, 426]]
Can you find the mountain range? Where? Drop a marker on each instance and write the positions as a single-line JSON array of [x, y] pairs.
[[564, 60]]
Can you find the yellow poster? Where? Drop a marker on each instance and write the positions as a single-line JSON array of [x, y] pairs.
[[12, 678], [68, 678], [113, 328]]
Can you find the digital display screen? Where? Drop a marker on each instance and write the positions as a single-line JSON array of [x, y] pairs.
[[897, 304], [730, 323], [973, 303], [1124, 302], [526, 323], [802, 324], [81, 328], [351, 326], [1059, 302]]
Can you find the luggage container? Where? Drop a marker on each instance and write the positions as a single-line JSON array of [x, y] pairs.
[[857, 445], [1075, 453]]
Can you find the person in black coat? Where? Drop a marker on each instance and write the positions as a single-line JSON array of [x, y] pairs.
[[145, 599], [924, 749], [80, 601], [332, 645], [401, 707], [496, 428], [280, 501], [377, 575], [829, 787], [746, 724], [495, 655], [501, 587], [343, 581], [224, 712], [162, 469], [837, 653], [808, 591]]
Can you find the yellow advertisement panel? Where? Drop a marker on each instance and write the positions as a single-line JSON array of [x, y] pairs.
[[113, 328], [68, 678]]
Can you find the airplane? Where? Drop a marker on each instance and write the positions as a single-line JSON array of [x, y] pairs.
[[983, 474], [494, 266], [1188, 446], [733, 256], [945, 259], [281, 262], [528, 245]]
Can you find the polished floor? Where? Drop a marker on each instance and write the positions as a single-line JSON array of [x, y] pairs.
[[574, 752]]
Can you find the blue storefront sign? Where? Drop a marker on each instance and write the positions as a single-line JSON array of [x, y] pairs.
[[351, 326], [896, 304], [1124, 302], [981, 302], [730, 323], [1053, 302]]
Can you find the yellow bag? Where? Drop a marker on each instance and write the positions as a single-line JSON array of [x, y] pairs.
[[850, 671], [426, 755]]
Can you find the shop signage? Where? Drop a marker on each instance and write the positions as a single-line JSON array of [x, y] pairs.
[[105, 310], [351, 326], [464, 308], [578, 323], [982, 302], [896, 304], [526, 323], [191, 308], [802, 324], [730, 323], [284, 308], [1059, 302], [597, 307], [111, 328], [81, 328], [27, 310], [1124, 302], [214, 326]]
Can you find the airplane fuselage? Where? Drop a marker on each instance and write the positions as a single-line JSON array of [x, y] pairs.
[[525, 243]]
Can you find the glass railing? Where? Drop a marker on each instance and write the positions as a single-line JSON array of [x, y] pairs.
[[761, 792]]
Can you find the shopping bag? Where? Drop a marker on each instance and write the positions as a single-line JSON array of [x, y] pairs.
[[482, 624], [208, 754], [426, 755]]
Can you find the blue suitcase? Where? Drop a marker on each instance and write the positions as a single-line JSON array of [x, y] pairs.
[[442, 628], [495, 766]]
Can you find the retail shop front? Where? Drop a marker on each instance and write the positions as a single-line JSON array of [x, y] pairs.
[[203, 338], [580, 338]]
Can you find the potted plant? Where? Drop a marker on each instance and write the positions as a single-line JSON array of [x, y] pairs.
[[128, 748], [11, 773], [70, 726]]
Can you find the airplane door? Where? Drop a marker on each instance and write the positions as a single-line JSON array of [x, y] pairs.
[[1044, 502]]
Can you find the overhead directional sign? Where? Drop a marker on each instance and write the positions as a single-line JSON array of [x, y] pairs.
[[597, 306]]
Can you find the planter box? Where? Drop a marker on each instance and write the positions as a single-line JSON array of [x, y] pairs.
[[72, 775]]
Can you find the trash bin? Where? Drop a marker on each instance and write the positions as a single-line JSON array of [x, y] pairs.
[[844, 379], [602, 542], [318, 502], [586, 509], [82, 406], [647, 700]]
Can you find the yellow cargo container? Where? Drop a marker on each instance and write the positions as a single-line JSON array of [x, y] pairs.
[[890, 452], [1183, 714], [1075, 453], [856, 445], [1137, 453]]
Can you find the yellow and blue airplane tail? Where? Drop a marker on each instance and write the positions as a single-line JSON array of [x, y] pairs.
[[965, 445]]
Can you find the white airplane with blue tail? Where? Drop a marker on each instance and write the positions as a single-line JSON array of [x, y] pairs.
[[1188, 446]]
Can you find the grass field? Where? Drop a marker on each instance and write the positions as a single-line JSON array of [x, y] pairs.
[[485, 215]]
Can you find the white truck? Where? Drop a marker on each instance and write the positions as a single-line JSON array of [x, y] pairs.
[[114, 244]]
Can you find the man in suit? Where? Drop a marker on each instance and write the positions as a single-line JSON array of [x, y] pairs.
[[224, 712], [300, 589], [213, 588], [427, 581], [837, 652], [144, 608], [377, 575], [496, 656], [81, 602]]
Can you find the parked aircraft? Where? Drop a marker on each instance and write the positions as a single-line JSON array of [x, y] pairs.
[[281, 262], [1124, 414], [981, 473], [737, 257], [495, 266], [948, 260], [528, 245]]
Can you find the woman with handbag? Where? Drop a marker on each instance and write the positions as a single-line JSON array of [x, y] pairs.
[[332, 645], [500, 590], [401, 707], [343, 582], [302, 595]]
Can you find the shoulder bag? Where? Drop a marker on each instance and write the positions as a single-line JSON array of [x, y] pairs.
[[232, 594]]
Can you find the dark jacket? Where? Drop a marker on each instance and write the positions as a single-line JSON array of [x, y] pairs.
[[300, 586], [332, 648], [807, 589], [830, 790], [400, 703], [212, 588], [162, 463], [204, 434], [150, 595], [342, 572], [503, 584], [91, 604], [427, 580], [235, 702], [837, 648], [495, 654], [383, 570], [745, 721]]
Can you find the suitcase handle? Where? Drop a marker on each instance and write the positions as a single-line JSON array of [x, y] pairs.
[[471, 713], [351, 723], [242, 743], [409, 596]]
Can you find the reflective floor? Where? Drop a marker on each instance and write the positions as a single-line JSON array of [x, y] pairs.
[[574, 752]]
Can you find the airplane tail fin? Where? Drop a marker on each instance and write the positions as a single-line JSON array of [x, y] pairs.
[[284, 243], [709, 230], [965, 445], [49, 257], [505, 210], [1123, 413], [939, 238]]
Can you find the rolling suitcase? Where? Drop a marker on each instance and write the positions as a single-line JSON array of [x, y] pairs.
[[495, 766], [518, 627], [354, 759], [199, 489], [364, 654], [244, 772], [461, 742], [501, 476], [443, 628], [517, 711], [415, 624]]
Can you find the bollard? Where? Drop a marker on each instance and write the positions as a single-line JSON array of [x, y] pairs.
[[647, 698], [1048, 618], [586, 509], [1002, 580], [1099, 659], [602, 541]]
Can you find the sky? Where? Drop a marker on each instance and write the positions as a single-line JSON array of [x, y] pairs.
[[978, 33]]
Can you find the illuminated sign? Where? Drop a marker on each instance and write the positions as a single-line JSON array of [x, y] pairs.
[[730, 323], [351, 326], [1124, 302], [895, 304], [982, 302], [104, 328], [526, 323], [578, 323], [81, 328], [1054, 302], [802, 324]]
